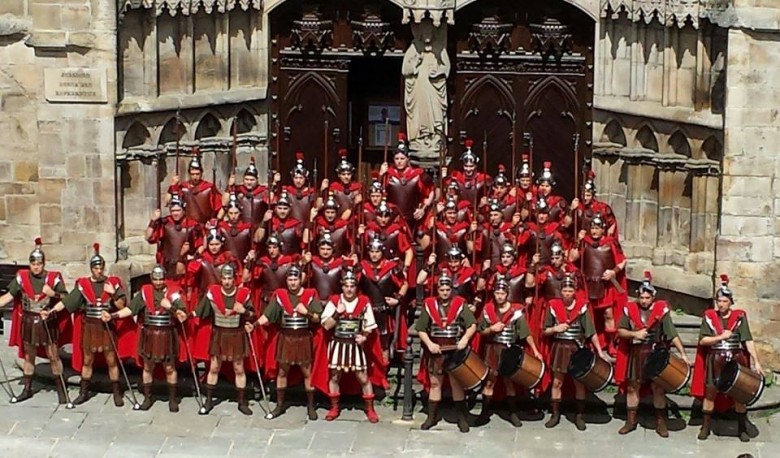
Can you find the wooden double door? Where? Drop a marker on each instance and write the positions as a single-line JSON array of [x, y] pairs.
[[518, 71]]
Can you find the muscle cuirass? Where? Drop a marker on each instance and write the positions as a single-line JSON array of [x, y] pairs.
[[96, 310], [30, 305], [294, 322], [496, 239], [404, 194], [348, 328], [509, 212], [300, 205], [464, 289], [174, 236], [238, 242], [344, 199], [451, 331], [209, 275], [558, 210], [390, 241], [587, 217], [326, 280], [596, 259], [505, 337], [231, 321], [198, 204], [377, 290], [444, 241], [544, 245], [273, 276], [472, 188], [253, 208], [552, 285], [575, 332], [341, 245], [517, 289], [160, 318], [291, 241], [732, 343]]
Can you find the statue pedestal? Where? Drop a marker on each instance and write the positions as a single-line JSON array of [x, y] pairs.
[[427, 159]]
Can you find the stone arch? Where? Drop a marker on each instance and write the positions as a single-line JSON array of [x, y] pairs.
[[136, 135], [168, 132], [679, 144], [645, 138], [245, 122], [208, 126], [712, 149], [613, 133]]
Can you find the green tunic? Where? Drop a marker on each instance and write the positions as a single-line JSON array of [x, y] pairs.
[[585, 320], [521, 326], [465, 319], [668, 331], [274, 311], [15, 289], [743, 329], [138, 304], [205, 309], [75, 300]]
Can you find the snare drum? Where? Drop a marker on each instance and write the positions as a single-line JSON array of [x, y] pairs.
[[466, 367], [740, 383], [523, 369], [667, 370], [590, 370]]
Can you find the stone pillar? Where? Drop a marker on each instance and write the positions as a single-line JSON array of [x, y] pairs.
[[641, 223], [748, 248]]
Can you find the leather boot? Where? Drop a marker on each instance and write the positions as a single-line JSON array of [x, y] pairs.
[[555, 418], [148, 400], [311, 410], [173, 399], [280, 408], [243, 404], [704, 432], [486, 412], [463, 416], [62, 397], [371, 414], [742, 427], [27, 391], [660, 423], [433, 418], [631, 422], [513, 417], [579, 421], [334, 411], [83, 392], [118, 394], [209, 404]]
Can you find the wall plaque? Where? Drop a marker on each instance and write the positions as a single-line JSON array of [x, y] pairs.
[[81, 85]]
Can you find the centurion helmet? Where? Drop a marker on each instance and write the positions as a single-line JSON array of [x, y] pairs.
[[546, 176], [344, 165], [195, 163], [525, 167], [468, 157], [724, 290], [402, 147], [299, 169], [590, 182], [158, 272], [96, 260], [376, 184], [251, 171], [646, 286], [37, 254], [501, 179]]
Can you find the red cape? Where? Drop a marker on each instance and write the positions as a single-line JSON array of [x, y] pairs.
[[699, 377], [126, 331], [659, 310], [63, 319]]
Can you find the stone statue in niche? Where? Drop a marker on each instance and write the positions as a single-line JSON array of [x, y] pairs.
[[425, 69]]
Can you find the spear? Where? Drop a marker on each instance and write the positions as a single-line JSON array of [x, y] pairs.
[[234, 146], [325, 168], [176, 132], [359, 209], [576, 139], [387, 136]]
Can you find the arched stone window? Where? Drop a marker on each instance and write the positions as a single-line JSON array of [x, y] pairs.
[[646, 139], [613, 133]]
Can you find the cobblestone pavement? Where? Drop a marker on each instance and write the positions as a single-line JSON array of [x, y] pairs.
[[40, 428]]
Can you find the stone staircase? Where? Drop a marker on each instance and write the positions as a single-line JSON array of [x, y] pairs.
[[688, 329]]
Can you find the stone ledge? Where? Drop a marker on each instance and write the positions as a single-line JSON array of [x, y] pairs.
[[134, 105], [672, 278], [655, 110]]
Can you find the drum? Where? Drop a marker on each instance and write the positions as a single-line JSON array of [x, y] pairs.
[[590, 370], [741, 383], [467, 368], [666, 370], [523, 369]]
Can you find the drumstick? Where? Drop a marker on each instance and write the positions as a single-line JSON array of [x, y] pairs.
[[444, 348]]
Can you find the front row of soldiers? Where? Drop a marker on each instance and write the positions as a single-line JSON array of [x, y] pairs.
[[327, 341]]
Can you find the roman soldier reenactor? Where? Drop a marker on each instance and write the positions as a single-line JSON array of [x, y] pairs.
[[449, 232], [603, 266], [472, 183], [513, 272], [544, 186], [463, 278], [229, 310], [543, 233], [408, 187], [353, 347], [294, 310], [301, 198], [279, 221], [445, 323], [464, 208], [177, 236], [237, 232], [502, 324], [526, 191], [376, 196], [547, 282], [347, 193], [494, 233], [252, 197], [569, 325], [159, 307], [644, 326], [270, 271], [92, 296], [501, 192], [589, 207], [338, 229], [32, 292], [724, 336], [383, 281], [394, 235], [326, 268], [202, 198]]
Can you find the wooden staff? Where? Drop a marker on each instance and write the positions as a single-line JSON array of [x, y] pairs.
[[358, 208], [234, 147], [387, 136], [576, 139], [325, 160], [176, 132]]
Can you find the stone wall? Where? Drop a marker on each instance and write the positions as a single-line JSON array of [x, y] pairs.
[[56, 159], [748, 246]]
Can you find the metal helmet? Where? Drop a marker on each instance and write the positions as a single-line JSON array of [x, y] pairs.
[[546, 176], [402, 147], [590, 182], [495, 205], [646, 286], [227, 271], [556, 249], [177, 201], [599, 221], [468, 157], [451, 204], [195, 162], [376, 244], [376, 184], [508, 248], [501, 284], [501, 179], [37, 254], [384, 209], [252, 171], [215, 233], [283, 200], [233, 202], [274, 239], [299, 168], [158, 272], [724, 290], [294, 271], [325, 239], [96, 260], [331, 203], [454, 254], [525, 167], [542, 206], [344, 165], [444, 279], [349, 277], [569, 281]]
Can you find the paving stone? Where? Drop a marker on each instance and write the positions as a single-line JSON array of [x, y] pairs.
[[194, 446], [74, 447], [63, 424]]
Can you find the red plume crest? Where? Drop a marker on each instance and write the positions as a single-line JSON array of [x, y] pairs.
[[591, 175], [526, 157], [648, 276], [38, 241], [547, 164], [724, 279], [469, 143], [252, 160], [375, 176], [343, 153], [401, 137], [501, 168], [96, 247], [299, 156]]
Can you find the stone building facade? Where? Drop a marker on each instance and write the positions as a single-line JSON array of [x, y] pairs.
[[679, 119]]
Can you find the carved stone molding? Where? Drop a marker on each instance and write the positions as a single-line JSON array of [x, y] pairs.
[[668, 12], [550, 38], [312, 34], [187, 7], [436, 10], [490, 37], [371, 35]]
